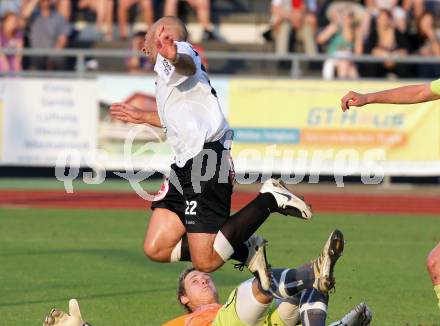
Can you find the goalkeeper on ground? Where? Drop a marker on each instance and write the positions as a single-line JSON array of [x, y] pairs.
[[280, 297]]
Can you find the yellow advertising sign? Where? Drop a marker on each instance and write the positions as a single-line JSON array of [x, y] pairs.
[[306, 115]]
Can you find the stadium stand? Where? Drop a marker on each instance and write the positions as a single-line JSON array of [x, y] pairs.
[[266, 28]]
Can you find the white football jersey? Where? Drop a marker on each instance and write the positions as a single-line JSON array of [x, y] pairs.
[[188, 107]]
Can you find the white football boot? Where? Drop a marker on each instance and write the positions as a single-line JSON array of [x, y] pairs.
[[288, 203], [360, 315], [323, 266], [257, 261]]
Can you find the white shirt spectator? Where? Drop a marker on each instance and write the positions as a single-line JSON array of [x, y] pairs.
[[188, 107]]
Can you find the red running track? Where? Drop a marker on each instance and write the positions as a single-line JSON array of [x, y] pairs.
[[321, 202]]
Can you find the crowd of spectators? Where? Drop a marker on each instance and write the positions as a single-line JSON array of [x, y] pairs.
[[381, 28], [55, 24]]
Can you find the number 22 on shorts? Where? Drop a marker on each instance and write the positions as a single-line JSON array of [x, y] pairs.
[[190, 207]]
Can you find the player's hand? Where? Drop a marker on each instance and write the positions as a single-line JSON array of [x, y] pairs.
[[165, 45], [353, 99], [128, 113], [60, 318]]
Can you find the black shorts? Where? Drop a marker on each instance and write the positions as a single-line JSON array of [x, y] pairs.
[[203, 205]]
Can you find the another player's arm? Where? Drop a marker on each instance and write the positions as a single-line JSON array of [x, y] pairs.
[[129, 113], [401, 95]]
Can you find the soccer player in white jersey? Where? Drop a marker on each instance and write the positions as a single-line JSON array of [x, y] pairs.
[[404, 95], [192, 219]]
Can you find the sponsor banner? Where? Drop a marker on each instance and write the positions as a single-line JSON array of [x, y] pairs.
[[2, 128], [287, 126], [281, 126], [44, 118]]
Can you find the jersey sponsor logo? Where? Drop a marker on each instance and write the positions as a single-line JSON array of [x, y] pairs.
[[166, 67]]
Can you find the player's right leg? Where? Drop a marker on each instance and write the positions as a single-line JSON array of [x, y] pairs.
[[246, 305], [433, 265], [164, 237]]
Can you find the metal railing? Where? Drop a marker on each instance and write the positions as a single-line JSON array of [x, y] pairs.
[[295, 59]]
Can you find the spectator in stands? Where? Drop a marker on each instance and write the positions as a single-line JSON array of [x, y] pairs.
[[426, 43], [123, 10], [9, 6], [343, 36], [386, 41], [48, 30], [203, 10], [414, 7], [64, 8], [138, 64], [301, 16], [10, 38], [399, 15], [104, 15]]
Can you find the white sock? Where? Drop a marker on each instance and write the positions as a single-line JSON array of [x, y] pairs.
[[249, 310], [223, 247], [176, 253]]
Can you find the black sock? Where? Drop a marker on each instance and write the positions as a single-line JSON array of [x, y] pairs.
[[240, 226], [313, 307], [289, 282], [241, 253], [184, 249]]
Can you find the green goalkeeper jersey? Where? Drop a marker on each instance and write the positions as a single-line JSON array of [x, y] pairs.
[[435, 87]]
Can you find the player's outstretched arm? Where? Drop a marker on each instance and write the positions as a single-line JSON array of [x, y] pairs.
[[128, 113], [167, 48], [401, 95]]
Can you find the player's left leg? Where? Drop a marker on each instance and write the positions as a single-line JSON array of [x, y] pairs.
[[433, 265], [319, 274], [210, 250], [311, 303], [213, 235]]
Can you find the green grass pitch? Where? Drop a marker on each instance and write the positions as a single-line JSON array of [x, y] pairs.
[[49, 256]]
